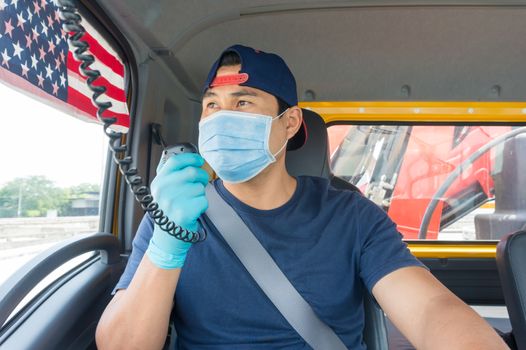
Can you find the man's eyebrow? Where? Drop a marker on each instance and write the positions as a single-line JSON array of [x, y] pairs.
[[244, 93], [240, 93], [209, 93]]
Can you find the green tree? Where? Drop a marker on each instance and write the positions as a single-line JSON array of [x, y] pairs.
[[84, 188], [30, 196]]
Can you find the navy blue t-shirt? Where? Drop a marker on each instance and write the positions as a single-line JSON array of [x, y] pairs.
[[332, 245]]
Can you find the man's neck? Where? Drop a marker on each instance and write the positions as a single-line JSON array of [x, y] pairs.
[[269, 190]]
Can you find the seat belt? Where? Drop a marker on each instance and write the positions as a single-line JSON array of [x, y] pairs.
[[268, 275]]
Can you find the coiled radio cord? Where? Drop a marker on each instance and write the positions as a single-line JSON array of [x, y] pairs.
[[71, 24]]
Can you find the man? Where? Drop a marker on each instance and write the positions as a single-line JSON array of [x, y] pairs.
[[330, 244]]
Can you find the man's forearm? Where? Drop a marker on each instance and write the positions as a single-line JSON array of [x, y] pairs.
[[457, 326], [137, 318]]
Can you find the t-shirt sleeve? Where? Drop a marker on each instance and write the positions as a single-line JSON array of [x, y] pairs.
[[139, 246], [382, 248]]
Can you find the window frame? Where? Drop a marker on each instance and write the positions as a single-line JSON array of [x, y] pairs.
[[436, 113]]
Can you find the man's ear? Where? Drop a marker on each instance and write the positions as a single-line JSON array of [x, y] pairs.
[[294, 121]]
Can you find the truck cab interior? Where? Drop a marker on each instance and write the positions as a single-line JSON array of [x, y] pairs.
[[383, 85]]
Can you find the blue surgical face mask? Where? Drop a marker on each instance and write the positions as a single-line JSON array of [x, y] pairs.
[[236, 144]]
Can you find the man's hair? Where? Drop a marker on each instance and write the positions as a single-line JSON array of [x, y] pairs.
[[231, 58]]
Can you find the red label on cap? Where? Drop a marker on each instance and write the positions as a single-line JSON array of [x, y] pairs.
[[231, 79]]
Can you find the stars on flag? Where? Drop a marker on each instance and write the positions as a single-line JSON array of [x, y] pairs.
[[25, 69], [34, 52], [42, 52], [34, 62], [33, 44], [37, 8], [40, 80], [9, 28], [21, 21], [55, 88], [35, 33], [29, 41], [49, 72], [18, 51], [51, 47], [5, 58], [44, 27]]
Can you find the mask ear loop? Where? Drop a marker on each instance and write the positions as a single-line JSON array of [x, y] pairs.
[[286, 141], [281, 149], [280, 115]]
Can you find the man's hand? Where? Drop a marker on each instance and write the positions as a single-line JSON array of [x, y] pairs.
[[179, 188], [429, 315]]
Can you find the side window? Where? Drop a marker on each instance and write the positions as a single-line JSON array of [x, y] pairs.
[[52, 150], [447, 182]]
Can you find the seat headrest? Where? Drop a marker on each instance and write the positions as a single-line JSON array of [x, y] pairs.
[[313, 157], [511, 263]]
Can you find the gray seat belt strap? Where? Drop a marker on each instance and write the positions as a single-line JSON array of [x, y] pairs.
[[268, 275]]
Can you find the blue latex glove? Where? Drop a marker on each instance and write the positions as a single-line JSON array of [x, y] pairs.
[[179, 188]]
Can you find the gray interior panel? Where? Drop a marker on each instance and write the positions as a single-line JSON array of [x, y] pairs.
[[351, 50]]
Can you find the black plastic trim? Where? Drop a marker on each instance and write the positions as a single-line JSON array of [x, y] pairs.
[[68, 317], [22, 315], [475, 281], [28, 276]]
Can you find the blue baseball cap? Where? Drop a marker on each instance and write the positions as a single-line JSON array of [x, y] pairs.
[[264, 71]]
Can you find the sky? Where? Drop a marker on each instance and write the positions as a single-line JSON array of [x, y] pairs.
[[36, 139]]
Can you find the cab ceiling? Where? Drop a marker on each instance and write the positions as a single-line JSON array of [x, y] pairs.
[[346, 50]]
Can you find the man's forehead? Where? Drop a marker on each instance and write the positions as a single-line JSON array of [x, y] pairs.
[[225, 70]]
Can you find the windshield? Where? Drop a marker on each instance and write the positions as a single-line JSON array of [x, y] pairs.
[[448, 182]]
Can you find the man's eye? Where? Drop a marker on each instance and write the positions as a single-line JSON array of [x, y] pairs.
[[211, 105], [243, 103]]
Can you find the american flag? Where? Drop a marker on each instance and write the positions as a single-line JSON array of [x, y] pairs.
[[36, 59]]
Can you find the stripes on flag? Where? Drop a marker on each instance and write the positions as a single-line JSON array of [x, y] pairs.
[[36, 58]]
